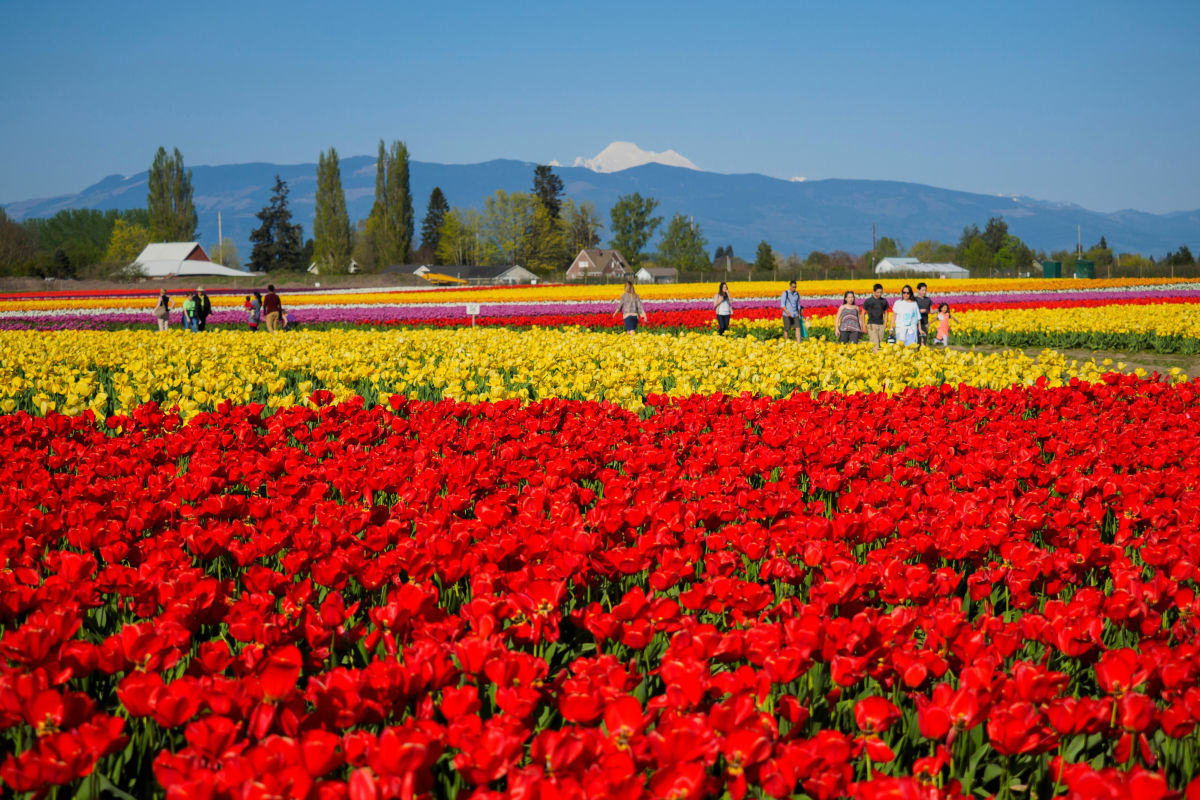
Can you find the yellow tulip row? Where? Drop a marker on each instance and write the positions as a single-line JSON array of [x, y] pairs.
[[114, 372], [568, 292]]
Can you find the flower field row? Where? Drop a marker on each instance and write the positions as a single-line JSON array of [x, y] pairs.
[[115, 372], [942, 593], [1164, 320], [438, 313], [823, 290]]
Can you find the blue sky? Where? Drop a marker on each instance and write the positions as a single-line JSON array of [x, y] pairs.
[[1093, 103]]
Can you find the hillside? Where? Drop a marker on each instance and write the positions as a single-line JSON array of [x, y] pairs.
[[741, 210]]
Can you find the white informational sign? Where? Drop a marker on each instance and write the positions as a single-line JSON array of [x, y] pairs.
[[472, 309]]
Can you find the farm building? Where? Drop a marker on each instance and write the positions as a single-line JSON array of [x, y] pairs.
[[915, 265], [171, 259]]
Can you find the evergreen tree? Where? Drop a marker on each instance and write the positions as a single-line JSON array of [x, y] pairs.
[[435, 217], [390, 225], [278, 244], [331, 224], [169, 200], [764, 258], [682, 246], [632, 225], [1181, 257], [549, 188]]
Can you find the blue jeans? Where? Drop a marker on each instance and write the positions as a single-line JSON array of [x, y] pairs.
[[190, 322]]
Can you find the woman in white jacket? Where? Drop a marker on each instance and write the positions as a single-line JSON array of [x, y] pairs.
[[907, 316]]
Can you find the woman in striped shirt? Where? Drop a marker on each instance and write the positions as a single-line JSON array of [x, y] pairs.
[[849, 320]]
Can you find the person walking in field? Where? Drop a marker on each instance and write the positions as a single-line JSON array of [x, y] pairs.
[[723, 307], [944, 318], [203, 308], [253, 310], [876, 308], [162, 310], [793, 315], [906, 316], [849, 320], [924, 305], [189, 313], [630, 308], [272, 308]]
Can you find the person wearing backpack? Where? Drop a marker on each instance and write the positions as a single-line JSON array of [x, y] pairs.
[[793, 315]]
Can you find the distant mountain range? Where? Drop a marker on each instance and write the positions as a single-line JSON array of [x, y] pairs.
[[739, 210]]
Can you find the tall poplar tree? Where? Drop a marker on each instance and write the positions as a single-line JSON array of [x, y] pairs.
[[331, 224], [169, 199], [390, 224]]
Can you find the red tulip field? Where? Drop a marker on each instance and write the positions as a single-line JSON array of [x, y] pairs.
[[941, 593]]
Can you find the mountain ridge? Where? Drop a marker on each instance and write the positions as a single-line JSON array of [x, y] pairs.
[[738, 209]]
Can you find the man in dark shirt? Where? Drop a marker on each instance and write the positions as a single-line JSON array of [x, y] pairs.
[[924, 304], [877, 308], [203, 308], [272, 308]]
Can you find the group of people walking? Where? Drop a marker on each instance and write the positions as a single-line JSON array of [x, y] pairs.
[[904, 321], [196, 308], [266, 309]]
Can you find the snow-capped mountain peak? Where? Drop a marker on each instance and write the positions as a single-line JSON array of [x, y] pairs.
[[623, 155]]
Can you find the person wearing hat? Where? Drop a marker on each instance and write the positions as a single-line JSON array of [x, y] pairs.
[[203, 308]]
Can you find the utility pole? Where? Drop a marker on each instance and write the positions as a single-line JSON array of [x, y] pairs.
[[873, 263], [220, 239]]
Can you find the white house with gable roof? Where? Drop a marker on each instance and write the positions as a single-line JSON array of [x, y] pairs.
[[172, 259]]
